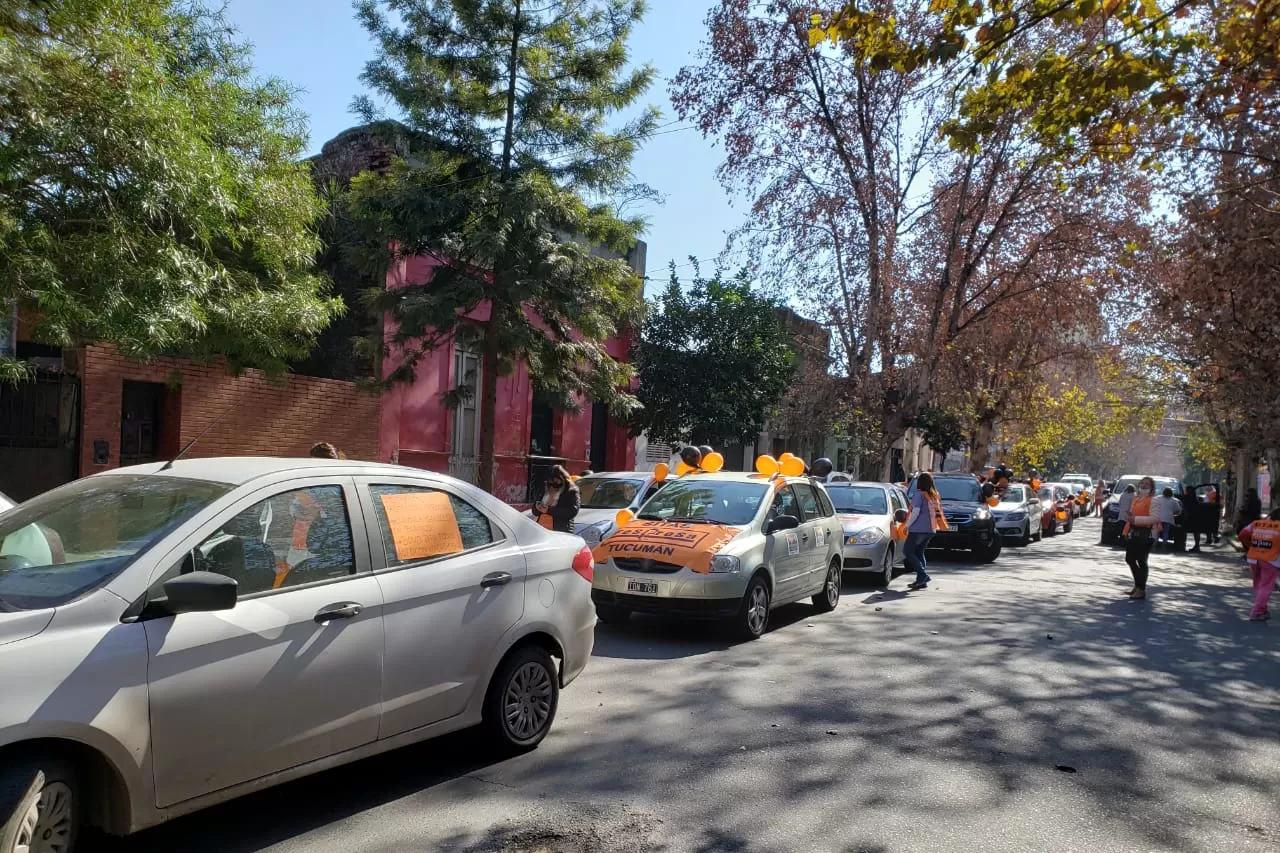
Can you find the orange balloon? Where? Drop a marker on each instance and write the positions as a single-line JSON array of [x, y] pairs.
[[993, 501], [683, 468], [712, 462], [624, 517], [785, 456], [793, 467], [767, 465], [661, 471]]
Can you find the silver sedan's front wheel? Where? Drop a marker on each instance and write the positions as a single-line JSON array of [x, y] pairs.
[[753, 616], [39, 806]]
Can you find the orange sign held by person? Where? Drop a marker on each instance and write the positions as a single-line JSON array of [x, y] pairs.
[[1265, 544], [678, 543]]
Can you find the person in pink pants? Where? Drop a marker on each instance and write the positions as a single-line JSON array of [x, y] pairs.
[[1265, 569]]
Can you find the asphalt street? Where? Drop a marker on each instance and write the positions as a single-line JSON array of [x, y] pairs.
[[1022, 706]]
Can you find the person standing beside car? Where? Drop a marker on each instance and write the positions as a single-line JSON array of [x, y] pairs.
[[1191, 515], [1139, 524], [922, 523], [561, 502], [1250, 512], [1165, 508]]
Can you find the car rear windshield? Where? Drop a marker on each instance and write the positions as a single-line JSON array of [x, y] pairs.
[[608, 492], [859, 500], [56, 547], [957, 489], [713, 501]]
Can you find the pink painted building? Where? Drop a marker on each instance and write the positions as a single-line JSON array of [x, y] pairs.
[[416, 428]]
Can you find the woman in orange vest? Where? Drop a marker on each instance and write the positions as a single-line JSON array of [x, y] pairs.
[[926, 518], [1140, 525], [1261, 540]]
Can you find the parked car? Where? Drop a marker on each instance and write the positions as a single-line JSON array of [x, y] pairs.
[[1065, 501], [1018, 515], [1083, 479], [1076, 490], [779, 541], [603, 495], [866, 512], [1055, 501], [1113, 525], [218, 626], [973, 527]]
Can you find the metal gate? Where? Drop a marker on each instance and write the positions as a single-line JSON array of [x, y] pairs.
[[39, 434]]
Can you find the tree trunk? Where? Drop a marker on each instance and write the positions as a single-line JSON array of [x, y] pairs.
[[488, 402], [980, 449]]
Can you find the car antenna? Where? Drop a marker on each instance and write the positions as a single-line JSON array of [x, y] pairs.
[[183, 452]]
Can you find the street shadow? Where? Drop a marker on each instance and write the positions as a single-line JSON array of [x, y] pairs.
[[667, 638], [315, 801]]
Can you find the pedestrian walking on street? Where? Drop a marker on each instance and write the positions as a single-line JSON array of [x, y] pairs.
[[1213, 516], [1264, 565], [1191, 517], [922, 523], [1250, 512], [1139, 526], [1126, 500], [559, 506], [1165, 508]]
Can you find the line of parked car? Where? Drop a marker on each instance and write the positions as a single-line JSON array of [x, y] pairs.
[[175, 635]]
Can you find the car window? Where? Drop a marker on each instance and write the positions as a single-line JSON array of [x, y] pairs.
[[700, 499], [1015, 494], [860, 500], [608, 492], [784, 503], [808, 501], [825, 500], [419, 523], [296, 537], [964, 489], [899, 500], [64, 543]]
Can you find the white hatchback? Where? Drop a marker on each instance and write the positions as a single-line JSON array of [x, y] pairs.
[[175, 636]]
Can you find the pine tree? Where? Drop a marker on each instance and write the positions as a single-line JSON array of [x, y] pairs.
[[509, 187]]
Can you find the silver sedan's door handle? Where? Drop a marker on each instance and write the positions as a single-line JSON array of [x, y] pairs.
[[495, 579], [342, 610]]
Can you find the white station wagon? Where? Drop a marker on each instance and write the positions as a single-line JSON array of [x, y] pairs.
[[175, 636]]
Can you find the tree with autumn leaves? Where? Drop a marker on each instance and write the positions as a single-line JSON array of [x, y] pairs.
[[933, 261]]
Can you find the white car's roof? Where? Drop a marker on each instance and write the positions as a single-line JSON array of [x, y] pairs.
[[629, 475], [857, 484], [234, 470]]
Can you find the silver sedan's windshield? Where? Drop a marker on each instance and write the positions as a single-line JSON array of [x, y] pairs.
[[713, 501], [608, 492], [859, 500], [62, 544]]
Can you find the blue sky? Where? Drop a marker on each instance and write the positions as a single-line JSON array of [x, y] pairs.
[[318, 46]]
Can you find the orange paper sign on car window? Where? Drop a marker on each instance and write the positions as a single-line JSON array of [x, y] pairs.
[[682, 544], [422, 525], [1265, 544]]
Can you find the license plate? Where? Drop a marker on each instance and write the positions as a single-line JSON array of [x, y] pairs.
[[642, 587]]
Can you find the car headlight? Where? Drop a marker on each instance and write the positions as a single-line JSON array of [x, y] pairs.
[[869, 536], [982, 514], [593, 533], [1015, 516], [725, 564]]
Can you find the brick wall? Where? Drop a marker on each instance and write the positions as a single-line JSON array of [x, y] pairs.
[[255, 416]]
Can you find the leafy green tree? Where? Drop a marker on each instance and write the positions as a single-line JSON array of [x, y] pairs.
[[151, 194], [943, 429], [714, 360], [508, 188]]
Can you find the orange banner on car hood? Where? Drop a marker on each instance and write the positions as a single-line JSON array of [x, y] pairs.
[[677, 542]]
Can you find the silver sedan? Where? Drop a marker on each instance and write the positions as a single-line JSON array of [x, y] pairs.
[[866, 512], [175, 636]]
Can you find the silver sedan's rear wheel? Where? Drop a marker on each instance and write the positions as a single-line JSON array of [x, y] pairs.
[[522, 699]]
